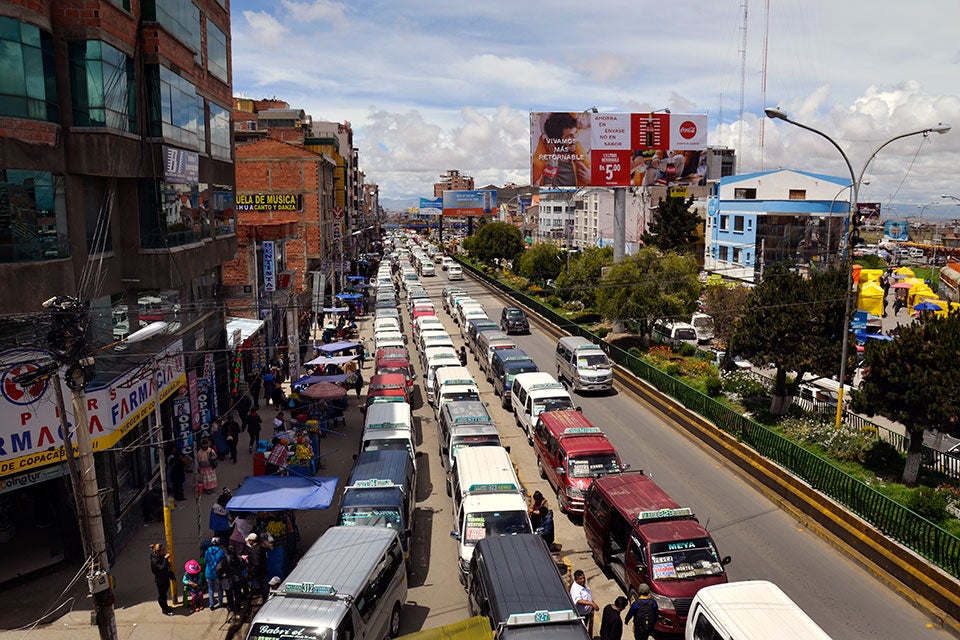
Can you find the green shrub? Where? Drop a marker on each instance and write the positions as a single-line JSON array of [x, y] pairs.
[[602, 331], [687, 350], [672, 369], [713, 385], [883, 459], [744, 386], [929, 503], [636, 352], [554, 302]]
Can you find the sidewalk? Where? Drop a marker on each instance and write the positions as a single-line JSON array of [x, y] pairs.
[[69, 610]]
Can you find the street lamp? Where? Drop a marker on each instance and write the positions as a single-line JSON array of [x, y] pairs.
[[778, 114], [950, 197]]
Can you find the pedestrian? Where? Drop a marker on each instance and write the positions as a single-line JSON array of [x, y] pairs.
[[280, 425], [583, 599], [362, 351], [255, 385], [897, 305], [231, 433], [220, 440], [536, 509], [545, 528], [611, 626], [206, 467], [350, 366], [176, 472], [358, 383], [644, 612], [214, 562], [254, 425], [243, 408], [234, 581], [220, 517], [279, 399], [193, 585], [257, 567], [162, 575], [463, 356], [277, 460], [269, 384]]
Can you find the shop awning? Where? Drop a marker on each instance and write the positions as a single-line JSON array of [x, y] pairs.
[[331, 360], [335, 347], [246, 326], [283, 493]]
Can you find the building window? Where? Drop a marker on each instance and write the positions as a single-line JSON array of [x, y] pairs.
[[102, 86], [219, 200], [744, 194], [123, 4], [170, 215], [736, 255], [216, 52], [176, 111], [798, 194], [749, 225], [33, 216], [97, 208], [747, 261], [28, 81], [724, 223], [723, 252], [180, 17], [738, 223], [220, 146]]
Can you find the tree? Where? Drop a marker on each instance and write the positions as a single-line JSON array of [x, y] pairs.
[[674, 226], [912, 380], [724, 301], [579, 282], [493, 241], [649, 285], [543, 261], [793, 324]]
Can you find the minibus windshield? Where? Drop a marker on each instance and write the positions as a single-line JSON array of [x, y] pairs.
[[684, 559]]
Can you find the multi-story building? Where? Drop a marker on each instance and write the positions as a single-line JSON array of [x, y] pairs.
[[452, 181], [116, 188], [774, 216]]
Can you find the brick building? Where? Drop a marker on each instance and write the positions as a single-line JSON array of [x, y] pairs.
[[116, 188]]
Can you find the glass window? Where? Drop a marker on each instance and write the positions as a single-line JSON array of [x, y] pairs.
[[723, 253], [169, 215], [33, 216], [176, 111], [736, 255], [738, 223], [218, 201], [102, 86], [216, 52], [724, 223], [97, 207], [219, 132], [180, 17], [28, 84]]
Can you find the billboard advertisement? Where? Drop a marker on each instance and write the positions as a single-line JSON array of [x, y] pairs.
[[617, 149], [462, 204], [430, 207]]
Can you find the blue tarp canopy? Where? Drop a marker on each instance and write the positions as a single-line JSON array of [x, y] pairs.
[[349, 296], [306, 381], [334, 347], [327, 359], [863, 336], [283, 493], [360, 278]]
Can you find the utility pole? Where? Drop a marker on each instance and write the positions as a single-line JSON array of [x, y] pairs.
[[167, 518]]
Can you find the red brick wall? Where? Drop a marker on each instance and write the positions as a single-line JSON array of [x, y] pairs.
[[32, 131], [73, 17]]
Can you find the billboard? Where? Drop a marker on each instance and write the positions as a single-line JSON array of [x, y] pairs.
[[269, 202], [430, 207], [617, 149], [461, 204]]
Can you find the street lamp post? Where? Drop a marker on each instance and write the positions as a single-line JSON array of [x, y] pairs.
[[856, 180]]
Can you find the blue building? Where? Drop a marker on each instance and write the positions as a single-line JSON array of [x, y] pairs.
[[785, 215]]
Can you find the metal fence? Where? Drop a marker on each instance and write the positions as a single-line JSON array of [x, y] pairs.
[[900, 523]]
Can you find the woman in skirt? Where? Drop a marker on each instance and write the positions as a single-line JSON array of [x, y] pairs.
[[206, 467]]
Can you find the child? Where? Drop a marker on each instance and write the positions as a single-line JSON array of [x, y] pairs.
[[193, 585]]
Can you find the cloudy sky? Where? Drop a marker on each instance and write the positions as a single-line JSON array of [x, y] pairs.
[[431, 85]]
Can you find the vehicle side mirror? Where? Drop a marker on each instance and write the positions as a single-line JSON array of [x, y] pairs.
[[626, 466], [455, 535], [507, 448], [355, 456], [561, 471], [407, 533], [726, 560], [579, 409]]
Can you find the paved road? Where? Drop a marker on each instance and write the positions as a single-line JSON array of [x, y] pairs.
[[764, 542]]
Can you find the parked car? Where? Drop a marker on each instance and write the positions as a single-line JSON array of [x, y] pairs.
[[513, 320]]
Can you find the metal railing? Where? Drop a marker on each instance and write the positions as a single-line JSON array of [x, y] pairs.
[[893, 519]]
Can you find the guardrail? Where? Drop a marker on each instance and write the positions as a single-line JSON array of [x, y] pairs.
[[892, 519]]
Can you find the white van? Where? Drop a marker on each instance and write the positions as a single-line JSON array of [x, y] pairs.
[[435, 358], [583, 365], [455, 272], [453, 384], [488, 500], [534, 393], [389, 426], [427, 269], [351, 583], [703, 326], [674, 334], [750, 610]]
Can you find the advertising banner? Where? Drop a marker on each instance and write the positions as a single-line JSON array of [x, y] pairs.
[[30, 434], [617, 149], [430, 207], [269, 202], [180, 166], [461, 204], [269, 267], [182, 421]]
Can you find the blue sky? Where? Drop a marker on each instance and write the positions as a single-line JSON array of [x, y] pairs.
[[431, 85]]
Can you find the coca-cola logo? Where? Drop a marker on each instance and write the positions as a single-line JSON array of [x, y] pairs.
[[688, 130]]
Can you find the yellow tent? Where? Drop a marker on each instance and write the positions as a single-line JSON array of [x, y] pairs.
[[947, 307], [870, 275], [475, 628], [870, 298], [903, 271], [920, 293]]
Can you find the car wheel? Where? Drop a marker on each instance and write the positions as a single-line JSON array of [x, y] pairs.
[[560, 506], [395, 621], [543, 474], [503, 401]]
